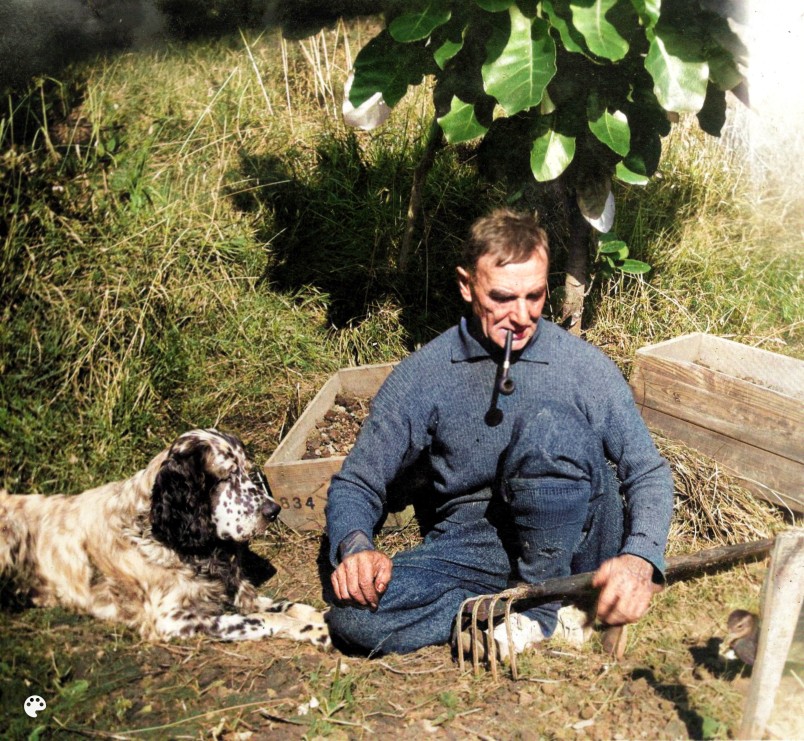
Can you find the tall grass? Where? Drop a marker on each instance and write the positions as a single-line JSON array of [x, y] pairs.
[[191, 237]]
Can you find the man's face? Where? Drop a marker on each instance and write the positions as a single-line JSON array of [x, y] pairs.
[[507, 297]]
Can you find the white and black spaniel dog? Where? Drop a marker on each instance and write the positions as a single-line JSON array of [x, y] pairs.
[[162, 551]]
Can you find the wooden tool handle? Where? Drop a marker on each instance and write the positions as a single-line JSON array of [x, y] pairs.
[[580, 585]]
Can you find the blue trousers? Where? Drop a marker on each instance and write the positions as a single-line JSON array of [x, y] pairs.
[[555, 511]]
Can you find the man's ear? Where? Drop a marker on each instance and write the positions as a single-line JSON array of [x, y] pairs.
[[465, 284]]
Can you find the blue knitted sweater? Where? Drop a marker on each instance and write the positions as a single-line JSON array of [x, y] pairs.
[[435, 400]]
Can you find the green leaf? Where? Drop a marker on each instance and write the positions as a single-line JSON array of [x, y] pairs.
[[600, 34], [387, 67], [37, 732], [615, 247], [521, 61], [558, 13], [648, 11], [634, 267], [446, 51], [611, 129], [679, 75], [621, 172], [494, 6], [723, 70], [447, 40], [551, 154], [461, 124], [419, 24], [74, 690]]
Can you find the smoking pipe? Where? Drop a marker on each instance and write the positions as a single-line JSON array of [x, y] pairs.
[[504, 385]]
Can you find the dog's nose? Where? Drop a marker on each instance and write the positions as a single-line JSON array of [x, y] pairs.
[[270, 509]]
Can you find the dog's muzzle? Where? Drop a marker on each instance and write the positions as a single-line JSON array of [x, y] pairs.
[[269, 509]]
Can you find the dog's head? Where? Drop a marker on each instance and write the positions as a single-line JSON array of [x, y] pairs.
[[203, 493]]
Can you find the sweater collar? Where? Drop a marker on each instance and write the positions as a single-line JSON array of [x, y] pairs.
[[469, 346]]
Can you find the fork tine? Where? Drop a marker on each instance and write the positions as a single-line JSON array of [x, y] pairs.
[[491, 652], [459, 633], [474, 635], [459, 639], [509, 633]]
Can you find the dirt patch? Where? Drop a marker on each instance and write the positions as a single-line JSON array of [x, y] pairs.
[[336, 432], [99, 680]]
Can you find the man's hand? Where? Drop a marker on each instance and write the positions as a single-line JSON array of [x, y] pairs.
[[626, 587], [362, 578]]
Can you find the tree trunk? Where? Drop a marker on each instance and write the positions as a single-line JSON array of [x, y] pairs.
[[575, 281], [435, 141]]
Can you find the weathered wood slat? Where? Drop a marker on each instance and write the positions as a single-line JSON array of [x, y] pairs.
[[769, 369], [740, 405], [783, 594], [730, 406], [771, 477]]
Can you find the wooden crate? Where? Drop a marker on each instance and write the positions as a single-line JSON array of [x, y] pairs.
[[741, 406], [300, 486]]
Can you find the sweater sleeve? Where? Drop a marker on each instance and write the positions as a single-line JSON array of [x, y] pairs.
[[646, 480], [391, 438]]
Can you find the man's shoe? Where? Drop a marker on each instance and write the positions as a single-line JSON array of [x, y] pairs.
[[525, 634], [574, 625]]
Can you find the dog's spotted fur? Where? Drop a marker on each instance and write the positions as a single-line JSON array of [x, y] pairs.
[[162, 551]]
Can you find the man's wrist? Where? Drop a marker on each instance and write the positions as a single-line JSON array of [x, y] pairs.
[[356, 542]]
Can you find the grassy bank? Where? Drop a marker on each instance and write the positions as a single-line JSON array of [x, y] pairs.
[[192, 237]]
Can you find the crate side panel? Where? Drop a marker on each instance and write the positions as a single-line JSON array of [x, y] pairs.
[[365, 380], [771, 477], [686, 347], [758, 416], [779, 373], [300, 488]]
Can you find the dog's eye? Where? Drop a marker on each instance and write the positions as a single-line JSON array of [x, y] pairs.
[[257, 478]]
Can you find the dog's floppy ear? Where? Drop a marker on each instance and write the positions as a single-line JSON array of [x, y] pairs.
[[181, 512]]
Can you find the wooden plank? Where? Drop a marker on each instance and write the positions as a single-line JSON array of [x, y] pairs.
[[783, 594], [772, 477], [686, 348], [766, 369], [364, 381], [759, 416], [304, 493]]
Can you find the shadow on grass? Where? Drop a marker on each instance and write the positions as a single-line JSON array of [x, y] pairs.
[[338, 227]]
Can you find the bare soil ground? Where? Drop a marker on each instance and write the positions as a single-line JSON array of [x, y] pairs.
[[100, 681]]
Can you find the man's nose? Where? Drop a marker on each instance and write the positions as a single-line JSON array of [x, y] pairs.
[[520, 313]]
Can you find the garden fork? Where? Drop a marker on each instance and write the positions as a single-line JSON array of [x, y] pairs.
[[487, 607]]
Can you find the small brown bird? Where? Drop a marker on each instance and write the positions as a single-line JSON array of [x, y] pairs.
[[742, 638]]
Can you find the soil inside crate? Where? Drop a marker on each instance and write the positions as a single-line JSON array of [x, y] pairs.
[[336, 432]]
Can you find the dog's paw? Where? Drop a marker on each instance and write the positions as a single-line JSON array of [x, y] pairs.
[[307, 613], [318, 635]]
